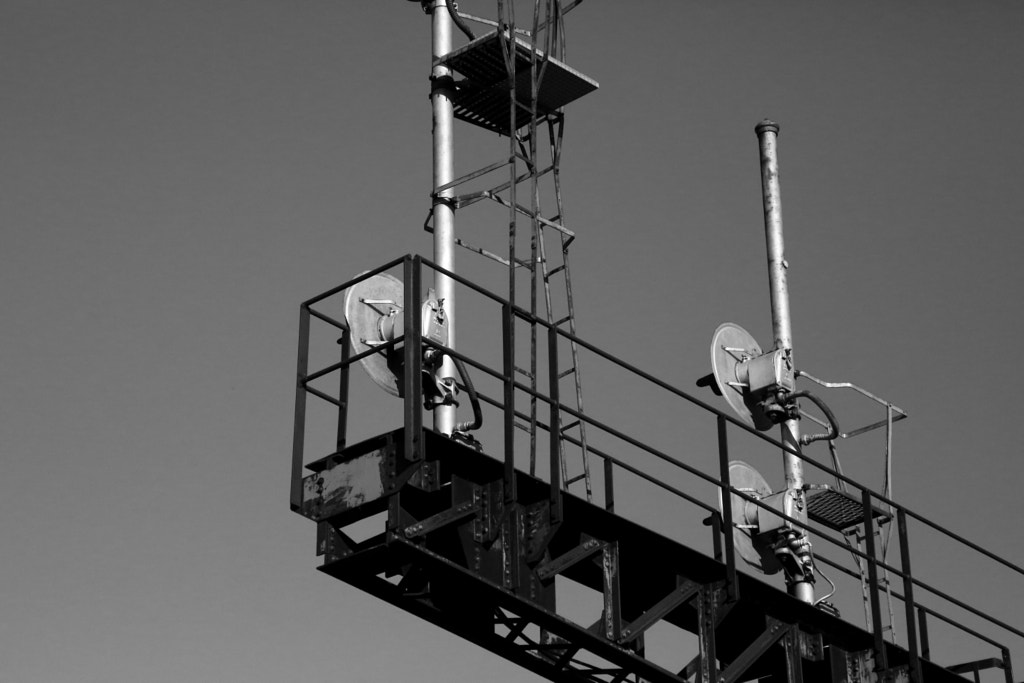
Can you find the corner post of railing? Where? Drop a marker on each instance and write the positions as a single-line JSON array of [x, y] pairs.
[[714, 520], [412, 376], [554, 427], [609, 485], [299, 428], [908, 596], [1007, 666], [881, 660], [732, 587], [509, 400], [922, 624], [346, 351]]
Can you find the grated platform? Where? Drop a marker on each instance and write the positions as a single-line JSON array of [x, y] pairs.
[[483, 98], [838, 510]]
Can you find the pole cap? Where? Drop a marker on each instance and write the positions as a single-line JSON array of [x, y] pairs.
[[765, 126]]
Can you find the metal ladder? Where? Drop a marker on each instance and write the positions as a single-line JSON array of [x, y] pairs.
[[507, 68], [579, 439]]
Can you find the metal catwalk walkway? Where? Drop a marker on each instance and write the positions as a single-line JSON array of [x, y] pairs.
[[470, 542], [449, 556]]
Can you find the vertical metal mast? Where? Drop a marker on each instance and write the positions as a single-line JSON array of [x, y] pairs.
[[767, 135], [441, 92], [513, 84]]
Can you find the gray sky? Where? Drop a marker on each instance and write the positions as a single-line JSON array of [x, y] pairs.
[[177, 176]]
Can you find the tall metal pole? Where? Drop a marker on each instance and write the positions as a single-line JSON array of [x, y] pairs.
[[441, 91], [767, 135]]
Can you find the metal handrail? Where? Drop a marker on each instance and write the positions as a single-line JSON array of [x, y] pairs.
[[726, 487], [356, 280], [528, 317], [413, 267], [898, 413]]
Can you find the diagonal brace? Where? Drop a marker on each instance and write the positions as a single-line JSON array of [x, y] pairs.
[[776, 630], [562, 562], [692, 667], [441, 519], [668, 603]]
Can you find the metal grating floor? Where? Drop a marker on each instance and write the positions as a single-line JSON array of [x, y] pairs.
[[838, 510], [483, 99]]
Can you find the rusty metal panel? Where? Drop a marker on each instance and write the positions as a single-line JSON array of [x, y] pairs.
[[348, 485], [490, 500], [859, 667], [811, 646], [537, 530]]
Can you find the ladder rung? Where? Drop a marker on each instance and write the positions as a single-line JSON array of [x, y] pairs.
[[525, 428], [569, 426], [562, 320], [555, 271], [572, 480], [525, 373], [566, 373], [524, 263], [480, 250]]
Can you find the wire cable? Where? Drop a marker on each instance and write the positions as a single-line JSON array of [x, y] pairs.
[[833, 423], [459, 21], [478, 416], [824, 597]]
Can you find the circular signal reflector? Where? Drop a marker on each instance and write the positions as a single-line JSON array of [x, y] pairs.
[[373, 308], [744, 513], [731, 345]]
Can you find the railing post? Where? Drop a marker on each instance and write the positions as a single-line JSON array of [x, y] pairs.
[[732, 589], [346, 351], [922, 622], [1007, 666], [609, 486], [881, 659], [412, 375], [299, 428], [508, 372], [908, 596], [714, 520], [554, 426]]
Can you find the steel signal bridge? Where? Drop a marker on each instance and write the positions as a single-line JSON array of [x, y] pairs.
[[472, 543], [506, 535]]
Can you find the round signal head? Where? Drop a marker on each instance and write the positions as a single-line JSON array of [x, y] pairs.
[[754, 552], [372, 307], [731, 346]]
